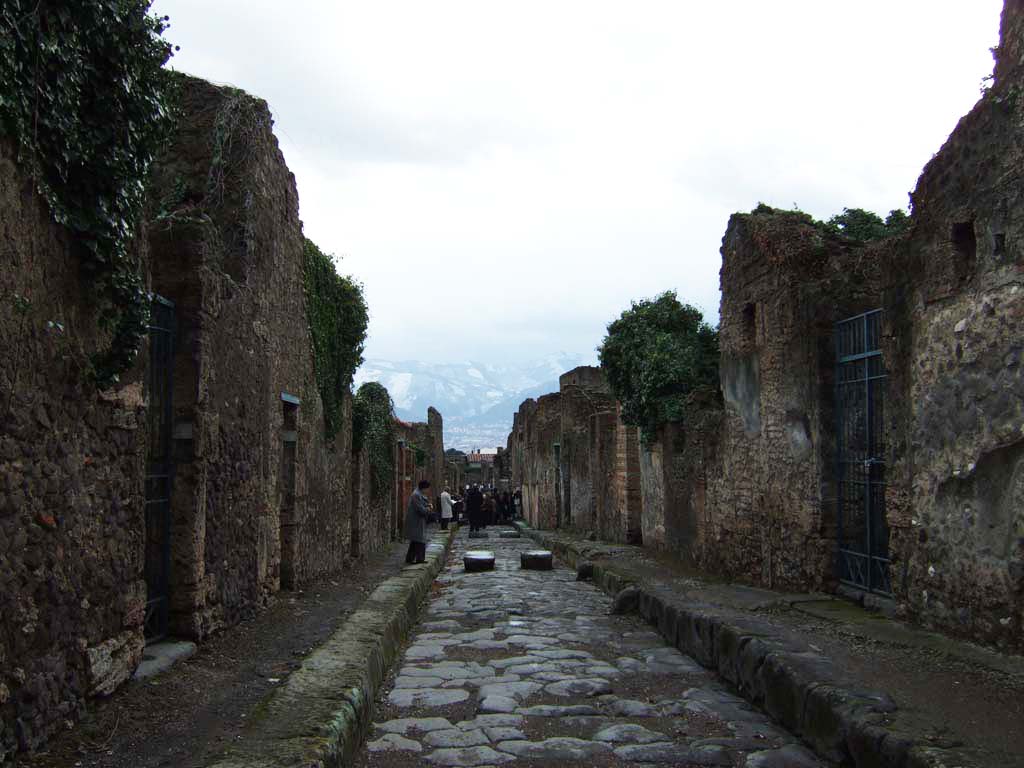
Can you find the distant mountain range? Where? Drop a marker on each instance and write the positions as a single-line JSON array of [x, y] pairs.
[[477, 400]]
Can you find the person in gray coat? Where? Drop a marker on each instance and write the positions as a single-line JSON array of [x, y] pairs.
[[416, 515]]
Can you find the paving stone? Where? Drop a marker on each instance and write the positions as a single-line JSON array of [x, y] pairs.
[[449, 670], [579, 687], [631, 708], [491, 721], [504, 734], [498, 704], [553, 710], [424, 652], [563, 653], [629, 733], [456, 737], [517, 690], [476, 682], [426, 697], [789, 756], [469, 757], [552, 677], [405, 725], [666, 752], [392, 742], [659, 752], [557, 748], [418, 682]]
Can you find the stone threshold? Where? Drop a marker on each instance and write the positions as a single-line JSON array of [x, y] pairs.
[[798, 687], [321, 714]]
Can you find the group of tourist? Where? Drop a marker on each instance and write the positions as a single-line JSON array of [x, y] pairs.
[[481, 505]]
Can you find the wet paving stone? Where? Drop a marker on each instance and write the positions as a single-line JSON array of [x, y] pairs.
[[532, 668]]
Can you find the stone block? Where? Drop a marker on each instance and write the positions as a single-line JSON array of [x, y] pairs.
[[113, 661], [477, 561], [479, 535], [536, 560]]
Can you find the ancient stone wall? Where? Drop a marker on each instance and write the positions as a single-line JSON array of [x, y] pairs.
[[261, 496], [747, 486], [584, 392], [956, 492], [372, 507], [72, 460], [541, 493], [767, 512]]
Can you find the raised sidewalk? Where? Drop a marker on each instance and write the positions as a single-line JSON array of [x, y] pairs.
[[319, 717], [859, 688]]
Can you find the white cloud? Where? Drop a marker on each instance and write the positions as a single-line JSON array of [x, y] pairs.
[[504, 178]]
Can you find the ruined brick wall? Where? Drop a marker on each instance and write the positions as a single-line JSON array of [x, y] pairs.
[[629, 527], [227, 249], [768, 512], [956, 492], [372, 509], [427, 440], [541, 495], [673, 471], [584, 392], [72, 461], [605, 490]]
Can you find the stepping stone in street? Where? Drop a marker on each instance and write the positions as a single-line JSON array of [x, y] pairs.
[[478, 560], [509, 534], [479, 535], [536, 560]]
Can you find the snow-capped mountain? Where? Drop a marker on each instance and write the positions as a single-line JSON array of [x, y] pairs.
[[477, 400]]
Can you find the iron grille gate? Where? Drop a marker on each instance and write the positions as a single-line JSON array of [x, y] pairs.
[[159, 469], [860, 472]]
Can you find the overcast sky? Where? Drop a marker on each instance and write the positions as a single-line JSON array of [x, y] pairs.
[[505, 177]]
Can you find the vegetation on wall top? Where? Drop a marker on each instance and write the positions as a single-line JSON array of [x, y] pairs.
[[654, 356], [85, 96], [854, 224], [337, 316], [373, 428]]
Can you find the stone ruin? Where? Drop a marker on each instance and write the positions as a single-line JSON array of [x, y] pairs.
[[766, 483], [218, 432]]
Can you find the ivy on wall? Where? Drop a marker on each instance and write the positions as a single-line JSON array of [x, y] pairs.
[[373, 427], [337, 315], [85, 96], [654, 356]]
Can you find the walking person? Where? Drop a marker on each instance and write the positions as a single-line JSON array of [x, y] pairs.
[[474, 505], [488, 510], [446, 509], [416, 515]]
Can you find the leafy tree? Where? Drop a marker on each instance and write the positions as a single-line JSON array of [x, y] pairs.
[[654, 355], [337, 316], [865, 226]]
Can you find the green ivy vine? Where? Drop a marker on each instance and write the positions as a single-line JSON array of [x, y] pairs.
[[84, 95], [373, 428], [337, 316]]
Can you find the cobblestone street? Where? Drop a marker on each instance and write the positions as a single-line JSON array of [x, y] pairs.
[[531, 668]]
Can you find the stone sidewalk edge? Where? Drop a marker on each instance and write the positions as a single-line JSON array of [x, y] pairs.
[[320, 716], [789, 683]]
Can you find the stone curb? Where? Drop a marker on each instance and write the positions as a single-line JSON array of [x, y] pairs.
[[799, 688], [319, 717]]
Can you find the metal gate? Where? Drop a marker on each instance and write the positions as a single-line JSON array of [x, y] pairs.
[[860, 471], [159, 468]]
